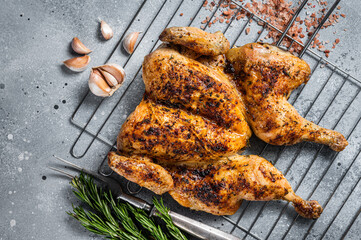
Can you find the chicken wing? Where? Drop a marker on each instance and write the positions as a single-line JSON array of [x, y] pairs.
[[196, 39], [266, 75], [141, 170]]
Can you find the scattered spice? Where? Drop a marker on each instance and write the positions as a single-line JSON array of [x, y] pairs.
[[278, 13]]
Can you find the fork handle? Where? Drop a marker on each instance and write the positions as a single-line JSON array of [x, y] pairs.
[[199, 229], [135, 201], [193, 227]]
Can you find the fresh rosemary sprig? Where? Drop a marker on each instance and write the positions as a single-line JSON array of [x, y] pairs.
[[118, 220], [163, 214], [148, 223], [121, 212]]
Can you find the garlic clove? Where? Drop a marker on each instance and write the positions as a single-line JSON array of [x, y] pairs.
[[115, 70], [77, 64], [130, 41], [79, 47], [107, 31], [112, 81], [98, 85]]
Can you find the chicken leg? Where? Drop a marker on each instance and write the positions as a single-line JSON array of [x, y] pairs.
[[266, 75], [216, 188]]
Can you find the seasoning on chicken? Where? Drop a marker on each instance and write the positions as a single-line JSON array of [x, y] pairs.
[[266, 75], [196, 39], [216, 188], [173, 135], [179, 82]]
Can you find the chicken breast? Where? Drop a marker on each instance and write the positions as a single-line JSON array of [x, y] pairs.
[[179, 82], [171, 134]]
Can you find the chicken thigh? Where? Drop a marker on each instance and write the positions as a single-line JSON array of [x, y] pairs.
[[266, 75]]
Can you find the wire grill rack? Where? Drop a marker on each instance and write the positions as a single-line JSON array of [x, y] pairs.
[[331, 98]]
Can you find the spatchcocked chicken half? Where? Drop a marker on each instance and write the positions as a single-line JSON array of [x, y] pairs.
[[185, 135]]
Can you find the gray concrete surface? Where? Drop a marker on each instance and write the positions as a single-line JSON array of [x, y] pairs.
[[38, 96]]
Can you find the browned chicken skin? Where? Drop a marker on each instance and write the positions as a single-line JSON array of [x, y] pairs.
[[180, 82], [196, 39], [266, 77], [173, 135], [184, 135], [142, 171], [217, 188]]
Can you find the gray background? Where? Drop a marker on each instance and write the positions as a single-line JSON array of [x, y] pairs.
[[38, 96]]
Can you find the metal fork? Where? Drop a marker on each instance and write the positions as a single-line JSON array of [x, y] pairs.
[[188, 225]]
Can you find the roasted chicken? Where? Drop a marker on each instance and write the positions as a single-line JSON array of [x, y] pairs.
[[266, 75], [184, 136]]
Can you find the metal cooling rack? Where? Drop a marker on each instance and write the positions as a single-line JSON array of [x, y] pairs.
[[331, 98]]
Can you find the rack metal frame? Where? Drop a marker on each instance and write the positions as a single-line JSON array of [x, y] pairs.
[[346, 78]]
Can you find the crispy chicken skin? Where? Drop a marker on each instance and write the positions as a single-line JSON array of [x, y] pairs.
[[266, 75], [217, 188], [180, 82], [171, 134], [196, 39]]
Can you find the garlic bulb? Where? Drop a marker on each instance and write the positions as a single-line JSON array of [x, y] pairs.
[[106, 79], [77, 64], [79, 47], [107, 31], [130, 41]]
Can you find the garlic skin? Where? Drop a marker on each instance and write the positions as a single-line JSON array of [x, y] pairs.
[[97, 84], [106, 30], [130, 41], [116, 70], [77, 64], [79, 47], [106, 79]]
